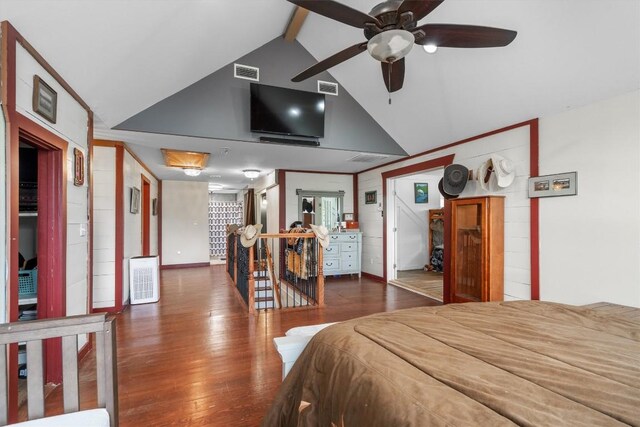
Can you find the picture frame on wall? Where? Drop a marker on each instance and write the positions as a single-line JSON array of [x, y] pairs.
[[561, 184], [370, 197], [154, 207], [421, 192], [347, 216], [45, 99], [134, 208]]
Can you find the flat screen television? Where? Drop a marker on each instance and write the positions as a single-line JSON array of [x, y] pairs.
[[285, 111]]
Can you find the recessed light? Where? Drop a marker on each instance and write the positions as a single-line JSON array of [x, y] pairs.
[[430, 48], [192, 172], [251, 173]]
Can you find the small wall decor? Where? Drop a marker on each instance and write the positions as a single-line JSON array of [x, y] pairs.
[[347, 216], [78, 167], [45, 99], [154, 207], [562, 184], [135, 200], [370, 197], [421, 192]]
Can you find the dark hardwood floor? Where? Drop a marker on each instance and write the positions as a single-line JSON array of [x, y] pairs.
[[197, 358]]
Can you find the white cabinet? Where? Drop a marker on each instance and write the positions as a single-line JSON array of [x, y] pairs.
[[343, 255]]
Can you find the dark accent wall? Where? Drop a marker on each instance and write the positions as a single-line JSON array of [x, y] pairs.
[[218, 105]]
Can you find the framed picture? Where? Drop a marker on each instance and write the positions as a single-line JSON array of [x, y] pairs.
[[561, 184], [421, 192], [78, 167], [370, 197], [134, 208], [347, 216], [45, 99], [154, 207]]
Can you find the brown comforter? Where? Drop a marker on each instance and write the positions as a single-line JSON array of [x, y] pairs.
[[490, 364]]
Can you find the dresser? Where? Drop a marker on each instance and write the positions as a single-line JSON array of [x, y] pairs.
[[343, 255]]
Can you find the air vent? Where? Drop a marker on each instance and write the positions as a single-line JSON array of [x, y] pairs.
[[246, 72], [367, 158], [328, 88]]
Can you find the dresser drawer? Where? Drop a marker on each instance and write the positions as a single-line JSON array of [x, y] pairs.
[[332, 251], [349, 256], [350, 266], [331, 265], [348, 247]]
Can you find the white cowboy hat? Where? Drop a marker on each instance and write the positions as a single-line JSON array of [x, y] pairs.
[[484, 170], [322, 234], [250, 234], [504, 171]]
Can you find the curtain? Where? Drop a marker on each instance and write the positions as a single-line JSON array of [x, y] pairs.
[[249, 208]]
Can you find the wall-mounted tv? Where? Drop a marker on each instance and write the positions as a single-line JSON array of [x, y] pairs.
[[285, 111]]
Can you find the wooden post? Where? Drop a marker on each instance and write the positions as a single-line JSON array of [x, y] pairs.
[[320, 275], [252, 284]]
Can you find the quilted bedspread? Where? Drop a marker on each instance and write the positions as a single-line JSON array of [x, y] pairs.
[[491, 364]]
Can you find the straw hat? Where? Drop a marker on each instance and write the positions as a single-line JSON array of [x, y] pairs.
[[250, 234], [322, 234], [484, 169]]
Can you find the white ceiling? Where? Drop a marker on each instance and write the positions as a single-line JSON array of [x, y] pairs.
[[122, 56]]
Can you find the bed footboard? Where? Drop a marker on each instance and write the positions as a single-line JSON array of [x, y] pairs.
[[33, 333]]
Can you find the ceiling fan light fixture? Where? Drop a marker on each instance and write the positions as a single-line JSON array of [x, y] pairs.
[[251, 173], [430, 48], [192, 172], [390, 45]]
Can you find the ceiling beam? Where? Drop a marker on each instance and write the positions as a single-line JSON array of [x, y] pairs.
[[295, 23]]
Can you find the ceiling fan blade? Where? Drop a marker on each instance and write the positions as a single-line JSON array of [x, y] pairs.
[[420, 8], [337, 11], [331, 61], [397, 75], [452, 35]]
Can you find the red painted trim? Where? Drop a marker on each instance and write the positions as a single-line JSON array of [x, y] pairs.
[[453, 144], [374, 277], [192, 265], [90, 208], [417, 167], [446, 258], [355, 197], [534, 154], [320, 172], [146, 215], [119, 231]]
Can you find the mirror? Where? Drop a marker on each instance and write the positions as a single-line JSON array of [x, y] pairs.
[[320, 208]]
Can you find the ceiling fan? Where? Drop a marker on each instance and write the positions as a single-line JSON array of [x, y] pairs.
[[391, 29]]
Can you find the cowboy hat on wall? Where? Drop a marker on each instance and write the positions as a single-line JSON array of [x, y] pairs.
[[454, 180], [496, 170]]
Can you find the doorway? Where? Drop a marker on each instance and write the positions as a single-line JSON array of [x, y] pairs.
[[38, 244], [415, 239]]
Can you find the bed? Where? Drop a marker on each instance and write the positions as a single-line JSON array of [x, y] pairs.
[[495, 364]]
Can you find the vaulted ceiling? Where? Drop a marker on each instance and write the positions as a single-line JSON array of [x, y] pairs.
[[124, 56]]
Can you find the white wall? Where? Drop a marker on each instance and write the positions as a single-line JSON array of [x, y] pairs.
[[513, 145], [72, 126], [185, 227], [412, 219], [590, 243], [104, 223], [133, 172], [315, 182]]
